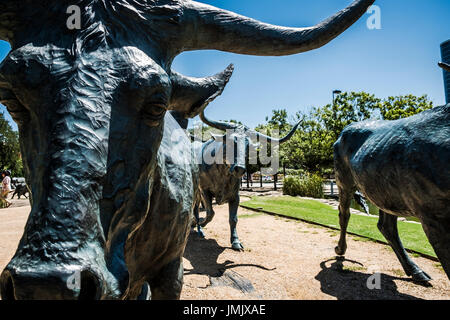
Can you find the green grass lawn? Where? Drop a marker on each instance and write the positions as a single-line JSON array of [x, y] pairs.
[[412, 234]]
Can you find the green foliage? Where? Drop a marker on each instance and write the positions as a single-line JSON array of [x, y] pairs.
[[204, 131], [279, 123], [9, 148], [279, 120], [326, 172], [311, 147], [394, 108], [348, 107], [295, 172], [309, 185]]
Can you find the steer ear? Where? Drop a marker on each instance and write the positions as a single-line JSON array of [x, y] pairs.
[[190, 96]]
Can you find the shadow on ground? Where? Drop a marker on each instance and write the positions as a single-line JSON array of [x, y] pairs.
[[347, 284], [203, 254]]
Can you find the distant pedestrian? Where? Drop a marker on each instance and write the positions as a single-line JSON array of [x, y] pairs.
[[6, 187]]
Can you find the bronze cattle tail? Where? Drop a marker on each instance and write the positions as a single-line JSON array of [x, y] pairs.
[[221, 179], [91, 107], [402, 167]]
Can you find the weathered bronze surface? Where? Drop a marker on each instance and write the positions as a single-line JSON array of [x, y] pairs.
[[110, 208], [402, 167], [221, 180]]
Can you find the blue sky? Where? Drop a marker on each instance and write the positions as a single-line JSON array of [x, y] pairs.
[[400, 58]]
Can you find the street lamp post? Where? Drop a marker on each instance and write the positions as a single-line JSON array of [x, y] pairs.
[[335, 92], [333, 105]]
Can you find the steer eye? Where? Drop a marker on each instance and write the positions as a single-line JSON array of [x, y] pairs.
[[157, 110], [153, 113]]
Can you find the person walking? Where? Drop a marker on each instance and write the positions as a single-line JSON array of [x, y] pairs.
[[6, 187]]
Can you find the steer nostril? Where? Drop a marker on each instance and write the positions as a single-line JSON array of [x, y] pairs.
[[7, 288], [89, 286]]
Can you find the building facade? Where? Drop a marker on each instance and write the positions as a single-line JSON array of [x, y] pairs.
[[445, 52]]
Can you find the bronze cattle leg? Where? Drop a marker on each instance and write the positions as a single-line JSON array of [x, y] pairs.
[[387, 224], [345, 199], [206, 200], [197, 221], [168, 283], [436, 228], [233, 206], [209, 209]]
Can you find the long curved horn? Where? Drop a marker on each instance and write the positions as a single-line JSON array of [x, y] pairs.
[[281, 140], [190, 96], [217, 124], [444, 66], [208, 27]]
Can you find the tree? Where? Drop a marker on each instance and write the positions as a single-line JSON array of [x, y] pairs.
[[311, 148], [394, 108], [9, 148], [278, 122], [348, 107], [203, 131]]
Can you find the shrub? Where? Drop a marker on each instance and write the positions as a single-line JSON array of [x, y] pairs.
[[295, 172], [309, 185], [327, 172]]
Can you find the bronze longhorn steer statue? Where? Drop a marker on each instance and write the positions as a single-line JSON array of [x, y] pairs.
[[402, 167], [221, 180], [91, 106]]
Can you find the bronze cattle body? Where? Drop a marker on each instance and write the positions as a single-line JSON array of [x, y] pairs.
[[402, 167], [221, 180], [91, 106], [172, 202]]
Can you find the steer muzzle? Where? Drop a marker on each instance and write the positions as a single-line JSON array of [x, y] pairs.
[[50, 285]]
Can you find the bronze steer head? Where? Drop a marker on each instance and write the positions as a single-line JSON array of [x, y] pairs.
[[90, 105]]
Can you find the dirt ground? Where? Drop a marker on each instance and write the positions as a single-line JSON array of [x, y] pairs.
[[283, 259], [12, 222]]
